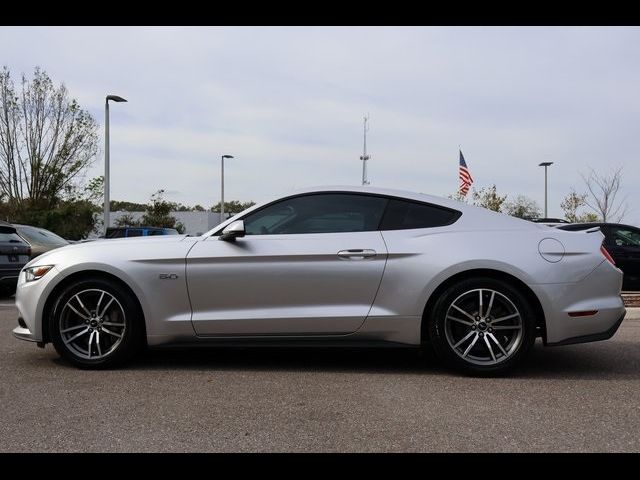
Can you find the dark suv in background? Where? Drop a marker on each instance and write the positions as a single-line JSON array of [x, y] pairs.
[[14, 254], [623, 243]]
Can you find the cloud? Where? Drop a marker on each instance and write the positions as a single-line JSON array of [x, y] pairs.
[[288, 104]]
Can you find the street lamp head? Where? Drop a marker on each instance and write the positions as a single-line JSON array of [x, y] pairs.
[[545, 164], [227, 156], [115, 98]]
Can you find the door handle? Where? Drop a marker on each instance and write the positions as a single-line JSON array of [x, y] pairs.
[[356, 254]]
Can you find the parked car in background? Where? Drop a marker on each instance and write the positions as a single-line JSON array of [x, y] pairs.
[[623, 243], [39, 239], [14, 254], [126, 232]]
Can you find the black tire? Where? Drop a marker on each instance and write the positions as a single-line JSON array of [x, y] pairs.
[[521, 330], [123, 310]]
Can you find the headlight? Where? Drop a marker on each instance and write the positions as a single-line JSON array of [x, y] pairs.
[[36, 273]]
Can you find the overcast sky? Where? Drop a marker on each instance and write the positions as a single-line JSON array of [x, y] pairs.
[[288, 104]]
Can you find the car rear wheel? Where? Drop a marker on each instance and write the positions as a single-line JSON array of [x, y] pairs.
[[482, 326], [96, 324]]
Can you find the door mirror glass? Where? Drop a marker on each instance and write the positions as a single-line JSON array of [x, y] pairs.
[[232, 231]]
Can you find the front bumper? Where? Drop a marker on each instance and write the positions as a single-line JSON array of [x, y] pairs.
[[30, 304], [24, 334]]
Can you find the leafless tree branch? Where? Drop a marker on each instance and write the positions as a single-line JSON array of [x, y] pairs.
[[602, 196]]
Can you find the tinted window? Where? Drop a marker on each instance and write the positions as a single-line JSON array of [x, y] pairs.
[[625, 237], [40, 236], [10, 237], [401, 215], [115, 233], [134, 232], [164, 231], [322, 213]]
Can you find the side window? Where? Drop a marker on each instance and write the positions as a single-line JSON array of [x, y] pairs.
[[625, 237], [134, 232], [403, 215], [318, 213]]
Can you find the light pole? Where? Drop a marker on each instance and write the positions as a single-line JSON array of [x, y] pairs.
[[222, 188], [115, 98], [545, 165]]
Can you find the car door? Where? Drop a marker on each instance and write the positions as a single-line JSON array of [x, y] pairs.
[[308, 265], [624, 245]]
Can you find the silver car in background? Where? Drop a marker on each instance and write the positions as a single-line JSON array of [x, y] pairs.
[[341, 266]]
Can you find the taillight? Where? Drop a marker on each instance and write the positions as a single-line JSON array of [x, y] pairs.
[[607, 255]]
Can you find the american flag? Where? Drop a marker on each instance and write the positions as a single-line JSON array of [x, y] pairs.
[[465, 176]]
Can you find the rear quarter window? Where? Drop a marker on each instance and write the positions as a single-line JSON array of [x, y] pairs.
[[404, 215]]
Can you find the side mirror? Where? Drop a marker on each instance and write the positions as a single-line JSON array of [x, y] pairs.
[[232, 231]]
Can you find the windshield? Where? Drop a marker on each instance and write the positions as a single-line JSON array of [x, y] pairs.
[[40, 236]]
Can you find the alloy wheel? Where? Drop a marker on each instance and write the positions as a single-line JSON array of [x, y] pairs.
[[92, 324], [483, 327]]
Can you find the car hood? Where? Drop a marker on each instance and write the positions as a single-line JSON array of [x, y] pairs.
[[122, 247]]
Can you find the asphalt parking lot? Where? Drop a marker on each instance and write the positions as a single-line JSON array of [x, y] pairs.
[[577, 398]]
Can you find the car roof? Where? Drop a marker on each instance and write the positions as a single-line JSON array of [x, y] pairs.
[[391, 192]]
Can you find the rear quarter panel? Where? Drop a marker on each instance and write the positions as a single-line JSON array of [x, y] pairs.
[[422, 259]]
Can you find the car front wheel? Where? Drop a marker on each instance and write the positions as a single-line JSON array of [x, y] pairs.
[[96, 324]]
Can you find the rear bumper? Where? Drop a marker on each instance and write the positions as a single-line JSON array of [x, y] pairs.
[[599, 292], [591, 338]]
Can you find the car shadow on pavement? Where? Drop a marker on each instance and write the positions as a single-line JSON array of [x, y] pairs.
[[597, 361]]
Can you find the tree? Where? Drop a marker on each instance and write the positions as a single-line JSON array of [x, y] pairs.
[[570, 205], [522, 207], [158, 213], [458, 196], [233, 207], [489, 198], [126, 220], [46, 141], [119, 206], [602, 196], [46, 144]]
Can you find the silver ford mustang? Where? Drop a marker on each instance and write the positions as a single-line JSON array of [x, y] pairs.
[[354, 266]]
